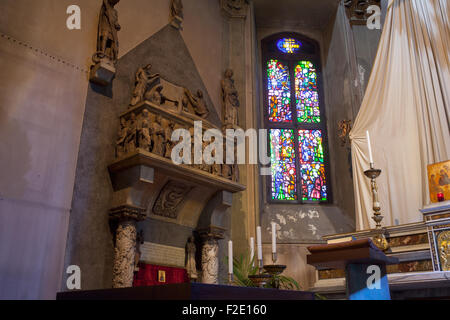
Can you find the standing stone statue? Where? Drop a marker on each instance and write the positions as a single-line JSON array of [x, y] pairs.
[[130, 141], [198, 103], [230, 101], [107, 41], [103, 70], [143, 77], [168, 127], [191, 267], [121, 140], [157, 133], [176, 13]]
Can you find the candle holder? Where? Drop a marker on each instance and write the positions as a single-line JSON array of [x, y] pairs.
[[230, 279], [260, 265], [260, 279], [379, 239]]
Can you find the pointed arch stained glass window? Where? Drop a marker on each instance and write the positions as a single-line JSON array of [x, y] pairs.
[[279, 91], [296, 129]]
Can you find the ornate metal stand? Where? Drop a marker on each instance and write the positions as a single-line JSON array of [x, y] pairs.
[[379, 239]]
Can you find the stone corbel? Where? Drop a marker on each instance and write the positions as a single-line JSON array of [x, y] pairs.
[[234, 8]]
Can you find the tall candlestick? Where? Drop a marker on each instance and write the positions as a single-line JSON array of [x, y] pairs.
[[274, 238], [252, 248], [230, 257], [259, 244], [370, 149]]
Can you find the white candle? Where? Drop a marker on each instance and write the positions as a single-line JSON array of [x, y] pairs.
[[274, 238], [252, 248], [230, 257], [370, 147], [259, 244]]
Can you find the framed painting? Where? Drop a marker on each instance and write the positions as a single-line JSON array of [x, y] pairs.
[[161, 276], [439, 180]]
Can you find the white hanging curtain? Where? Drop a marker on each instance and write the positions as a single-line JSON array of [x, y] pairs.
[[406, 109]]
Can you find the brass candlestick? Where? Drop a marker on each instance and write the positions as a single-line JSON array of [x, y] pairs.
[[379, 239]]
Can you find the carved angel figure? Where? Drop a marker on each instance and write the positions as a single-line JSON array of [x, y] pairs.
[[107, 41]]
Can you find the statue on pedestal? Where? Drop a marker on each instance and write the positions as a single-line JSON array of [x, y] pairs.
[[230, 101], [191, 267], [107, 53], [176, 13]]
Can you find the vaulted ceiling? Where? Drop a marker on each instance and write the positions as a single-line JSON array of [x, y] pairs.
[[315, 14]]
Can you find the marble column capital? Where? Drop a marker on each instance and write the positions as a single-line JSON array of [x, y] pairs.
[[127, 212], [211, 233]]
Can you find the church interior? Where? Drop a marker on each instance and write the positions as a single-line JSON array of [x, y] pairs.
[[230, 149]]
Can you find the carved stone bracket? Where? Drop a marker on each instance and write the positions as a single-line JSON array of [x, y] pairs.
[[234, 8], [125, 246], [357, 10]]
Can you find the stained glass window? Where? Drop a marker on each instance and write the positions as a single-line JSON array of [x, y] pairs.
[[282, 153], [288, 45], [306, 94], [279, 92], [312, 169], [293, 117]]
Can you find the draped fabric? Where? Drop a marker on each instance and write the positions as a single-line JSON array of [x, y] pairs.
[[406, 109], [148, 275]]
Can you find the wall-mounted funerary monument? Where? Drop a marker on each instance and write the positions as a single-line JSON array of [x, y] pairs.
[[147, 182]]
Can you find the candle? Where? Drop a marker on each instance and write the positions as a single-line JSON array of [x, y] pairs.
[[440, 197], [274, 238], [230, 257], [259, 244], [370, 148], [252, 248]]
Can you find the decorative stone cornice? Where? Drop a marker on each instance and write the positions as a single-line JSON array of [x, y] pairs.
[[234, 8], [211, 232], [127, 212], [357, 10]]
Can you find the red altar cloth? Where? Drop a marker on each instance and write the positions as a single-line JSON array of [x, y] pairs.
[[148, 275]]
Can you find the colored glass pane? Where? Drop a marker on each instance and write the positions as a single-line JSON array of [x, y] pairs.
[[306, 94], [279, 91], [310, 146], [282, 153], [314, 186], [312, 167], [288, 45]]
